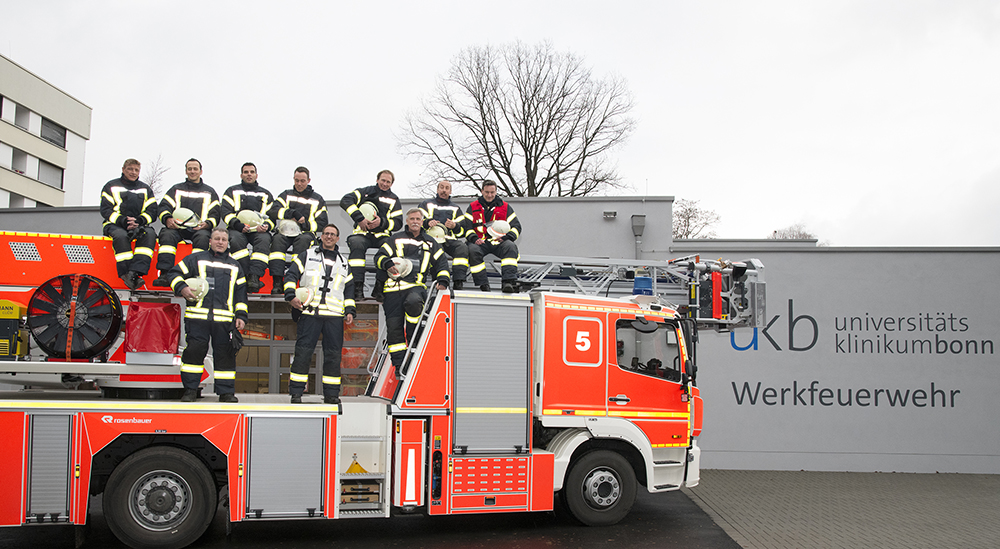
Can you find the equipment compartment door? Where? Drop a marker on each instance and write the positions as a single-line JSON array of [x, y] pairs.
[[491, 376], [285, 467]]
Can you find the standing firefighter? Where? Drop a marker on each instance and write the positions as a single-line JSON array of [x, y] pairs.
[[325, 298], [248, 201], [409, 257], [215, 288], [188, 211], [300, 214], [129, 208], [376, 213], [445, 221], [495, 227]]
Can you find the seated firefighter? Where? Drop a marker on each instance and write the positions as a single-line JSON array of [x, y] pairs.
[[200, 206], [409, 258], [299, 214], [376, 213], [129, 208], [249, 202], [445, 221], [494, 228]]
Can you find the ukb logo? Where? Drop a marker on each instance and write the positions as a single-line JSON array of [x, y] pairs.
[[798, 333]]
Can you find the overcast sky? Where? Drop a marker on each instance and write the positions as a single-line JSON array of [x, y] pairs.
[[871, 122]]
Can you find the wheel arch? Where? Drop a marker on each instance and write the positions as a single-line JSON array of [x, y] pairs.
[[571, 444], [108, 458]]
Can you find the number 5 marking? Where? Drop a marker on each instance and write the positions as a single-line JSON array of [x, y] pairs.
[[582, 341]]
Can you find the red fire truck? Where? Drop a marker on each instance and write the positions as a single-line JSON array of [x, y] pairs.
[[503, 400]]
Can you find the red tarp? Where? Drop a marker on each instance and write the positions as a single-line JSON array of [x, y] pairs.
[[153, 327]]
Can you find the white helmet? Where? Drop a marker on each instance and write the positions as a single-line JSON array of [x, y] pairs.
[[250, 218], [368, 210], [438, 233], [289, 227], [498, 228], [403, 266], [185, 218], [305, 294], [198, 285]]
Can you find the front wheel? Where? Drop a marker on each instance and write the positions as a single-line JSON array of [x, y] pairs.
[[600, 488], [160, 497]]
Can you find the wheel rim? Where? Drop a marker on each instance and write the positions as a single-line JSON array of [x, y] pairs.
[[160, 500], [601, 488]]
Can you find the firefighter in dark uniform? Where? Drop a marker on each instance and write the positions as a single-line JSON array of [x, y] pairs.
[[128, 207], [481, 214], [249, 195], [196, 196], [305, 212], [406, 295], [441, 211], [330, 304], [371, 233], [213, 317]]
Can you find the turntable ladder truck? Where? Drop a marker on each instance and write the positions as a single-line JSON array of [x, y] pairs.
[[502, 401]]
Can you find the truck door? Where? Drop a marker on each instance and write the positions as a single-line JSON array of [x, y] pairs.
[[644, 380]]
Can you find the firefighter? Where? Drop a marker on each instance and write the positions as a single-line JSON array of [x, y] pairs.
[[213, 316], [371, 231], [405, 293], [481, 215], [194, 195], [129, 208], [249, 196], [329, 304], [299, 214], [441, 212]]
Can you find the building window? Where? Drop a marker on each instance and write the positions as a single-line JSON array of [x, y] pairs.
[[22, 116], [50, 174], [19, 161], [53, 133]]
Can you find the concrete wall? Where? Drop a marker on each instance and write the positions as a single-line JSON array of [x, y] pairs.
[[874, 359], [550, 226]]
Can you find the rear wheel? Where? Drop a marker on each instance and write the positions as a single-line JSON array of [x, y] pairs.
[[160, 497], [600, 488]]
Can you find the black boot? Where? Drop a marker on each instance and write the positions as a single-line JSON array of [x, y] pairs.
[[278, 283]]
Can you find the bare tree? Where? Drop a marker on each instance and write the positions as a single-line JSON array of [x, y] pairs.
[[691, 221], [534, 120], [153, 174], [793, 232]]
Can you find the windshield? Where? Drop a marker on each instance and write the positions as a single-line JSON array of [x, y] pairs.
[[654, 353]]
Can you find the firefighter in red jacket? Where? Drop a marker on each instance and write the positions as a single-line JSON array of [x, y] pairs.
[[482, 214], [405, 292]]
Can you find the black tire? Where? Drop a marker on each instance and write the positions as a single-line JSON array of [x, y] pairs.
[[600, 488], [160, 497]]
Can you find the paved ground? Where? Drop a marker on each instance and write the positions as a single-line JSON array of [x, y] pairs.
[[803, 510], [660, 521]]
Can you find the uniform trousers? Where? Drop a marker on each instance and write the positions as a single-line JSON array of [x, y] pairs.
[[402, 307], [308, 330], [198, 333]]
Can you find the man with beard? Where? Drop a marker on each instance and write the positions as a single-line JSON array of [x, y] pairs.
[[441, 212], [483, 239]]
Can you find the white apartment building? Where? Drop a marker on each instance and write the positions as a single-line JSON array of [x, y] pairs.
[[43, 140]]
